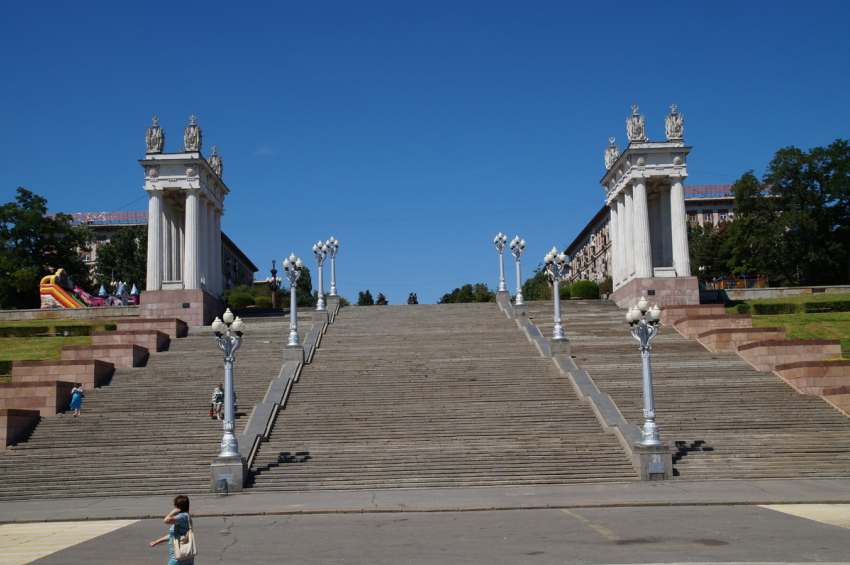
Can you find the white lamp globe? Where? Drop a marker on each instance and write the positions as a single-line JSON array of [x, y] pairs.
[[315, 248], [227, 318], [642, 304], [629, 316], [286, 264], [298, 264], [238, 325]]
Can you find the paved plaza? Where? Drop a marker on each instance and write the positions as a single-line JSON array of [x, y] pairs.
[[775, 521]]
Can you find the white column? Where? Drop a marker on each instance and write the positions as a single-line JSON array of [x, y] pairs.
[[678, 228], [191, 250], [210, 248], [664, 220], [615, 242], [167, 243], [176, 220], [640, 227], [202, 242], [219, 277], [620, 257], [154, 281], [629, 236]]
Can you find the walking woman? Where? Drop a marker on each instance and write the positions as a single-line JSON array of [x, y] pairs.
[[77, 398], [181, 523]]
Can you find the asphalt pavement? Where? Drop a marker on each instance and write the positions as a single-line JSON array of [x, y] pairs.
[[598, 495]]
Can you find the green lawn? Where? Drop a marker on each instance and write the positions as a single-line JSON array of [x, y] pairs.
[[37, 348], [820, 297], [97, 325], [829, 325]]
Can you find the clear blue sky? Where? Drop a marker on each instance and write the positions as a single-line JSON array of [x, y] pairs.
[[413, 132]]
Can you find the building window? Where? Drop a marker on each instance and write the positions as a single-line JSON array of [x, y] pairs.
[[692, 216], [723, 215], [706, 216], [86, 257]]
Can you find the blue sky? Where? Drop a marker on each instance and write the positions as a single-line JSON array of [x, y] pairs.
[[413, 132]]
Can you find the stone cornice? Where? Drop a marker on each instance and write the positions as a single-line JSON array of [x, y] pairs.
[[645, 160], [184, 171]]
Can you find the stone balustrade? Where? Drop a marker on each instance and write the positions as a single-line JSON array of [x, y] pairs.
[[48, 397], [671, 314], [152, 340], [691, 326], [122, 356], [727, 340], [16, 424], [90, 373], [767, 355], [173, 327]]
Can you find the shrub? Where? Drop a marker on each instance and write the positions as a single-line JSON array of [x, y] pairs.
[[263, 301], [5, 367], [837, 306], [744, 309], [585, 289], [564, 292], [240, 300], [606, 286], [73, 330], [22, 331], [778, 308], [110, 327]]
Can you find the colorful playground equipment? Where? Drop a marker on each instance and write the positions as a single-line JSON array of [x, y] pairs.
[[58, 291]]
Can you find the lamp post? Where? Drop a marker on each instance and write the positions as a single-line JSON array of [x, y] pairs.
[[273, 285], [501, 241], [292, 268], [556, 267], [517, 248], [320, 250], [643, 323], [224, 329], [333, 247]]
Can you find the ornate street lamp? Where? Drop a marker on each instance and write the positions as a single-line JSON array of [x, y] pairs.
[[643, 323], [501, 241], [517, 247], [320, 250], [333, 247], [292, 268], [556, 269], [224, 329], [273, 285]]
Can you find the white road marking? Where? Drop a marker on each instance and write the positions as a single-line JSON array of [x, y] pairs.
[[24, 543]]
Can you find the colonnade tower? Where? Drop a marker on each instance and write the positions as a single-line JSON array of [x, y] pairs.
[[185, 206], [648, 226]]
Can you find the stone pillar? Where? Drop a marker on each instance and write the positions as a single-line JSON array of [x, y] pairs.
[[191, 250], [615, 242], [678, 228], [620, 257], [629, 234], [176, 248], [203, 241], [664, 220], [154, 281], [167, 243], [219, 276], [210, 246], [640, 230]]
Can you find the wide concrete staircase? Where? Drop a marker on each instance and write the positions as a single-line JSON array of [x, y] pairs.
[[148, 431], [724, 419], [433, 396]]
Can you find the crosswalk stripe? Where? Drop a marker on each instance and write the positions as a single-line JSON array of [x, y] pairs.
[[832, 514], [24, 543]]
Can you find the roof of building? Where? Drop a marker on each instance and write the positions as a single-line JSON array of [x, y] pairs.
[[103, 218], [708, 191]]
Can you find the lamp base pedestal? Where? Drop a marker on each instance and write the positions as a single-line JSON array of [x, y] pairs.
[[228, 474], [293, 353], [653, 463], [559, 346]]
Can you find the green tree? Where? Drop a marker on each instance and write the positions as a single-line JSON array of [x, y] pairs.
[[33, 245], [537, 287], [365, 298], [794, 225], [381, 300], [304, 295], [124, 258], [709, 250], [469, 293]]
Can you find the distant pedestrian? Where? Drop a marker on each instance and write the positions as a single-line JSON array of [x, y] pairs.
[[181, 523], [77, 398], [217, 401]]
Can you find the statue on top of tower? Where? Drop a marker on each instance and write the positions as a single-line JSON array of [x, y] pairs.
[[155, 137], [675, 124], [192, 136], [612, 153], [635, 126], [215, 162]]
